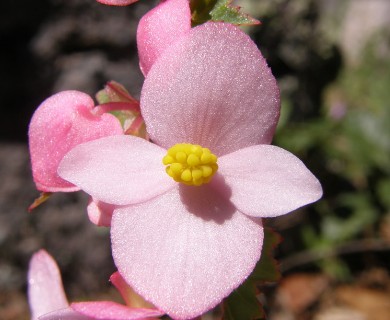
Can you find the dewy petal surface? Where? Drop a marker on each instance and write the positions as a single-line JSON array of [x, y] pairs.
[[45, 290], [107, 310], [267, 181], [212, 87], [159, 28], [61, 122], [65, 314], [186, 250], [117, 170]]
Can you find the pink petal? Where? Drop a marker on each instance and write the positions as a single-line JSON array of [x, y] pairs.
[[213, 88], [131, 298], [45, 290], [118, 170], [61, 122], [100, 213], [65, 314], [267, 181], [120, 284], [107, 310], [185, 250], [117, 2], [159, 28]]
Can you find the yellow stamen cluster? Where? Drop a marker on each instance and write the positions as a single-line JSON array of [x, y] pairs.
[[190, 164]]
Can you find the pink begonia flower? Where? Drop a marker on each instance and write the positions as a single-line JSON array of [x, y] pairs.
[[48, 301], [61, 122], [117, 2], [184, 248]]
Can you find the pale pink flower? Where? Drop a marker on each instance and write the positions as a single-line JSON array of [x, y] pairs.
[[184, 248], [48, 301], [61, 122]]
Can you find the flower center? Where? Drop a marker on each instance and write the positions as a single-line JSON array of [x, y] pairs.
[[190, 164]]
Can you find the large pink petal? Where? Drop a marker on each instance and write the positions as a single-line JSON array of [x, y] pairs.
[[45, 290], [159, 28], [61, 122], [266, 181], [118, 169], [213, 88], [107, 310], [186, 250], [117, 2]]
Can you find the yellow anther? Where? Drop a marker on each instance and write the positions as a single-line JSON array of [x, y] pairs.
[[192, 160], [190, 164], [205, 158], [168, 159], [177, 168], [196, 150], [197, 174], [186, 175], [181, 157], [206, 171]]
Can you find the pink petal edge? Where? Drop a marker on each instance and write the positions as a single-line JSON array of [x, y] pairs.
[[212, 87], [45, 290], [159, 28], [121, 285], [65, 314], [107, 310], [266, 181], [117, 2], [185, 250], [117, 170], [61, 122]]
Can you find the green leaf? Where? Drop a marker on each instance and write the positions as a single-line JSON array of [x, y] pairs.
[[218, 10], [225, 11], [114, 92], [267, 269], [243, 304], [383, 191]]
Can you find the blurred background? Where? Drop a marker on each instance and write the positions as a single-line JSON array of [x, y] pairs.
[[332, 62]]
